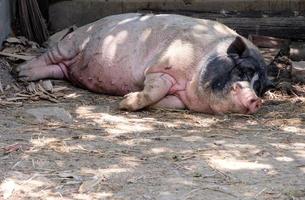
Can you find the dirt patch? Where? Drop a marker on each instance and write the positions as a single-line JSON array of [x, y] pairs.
[[5, 76], [100, 152]]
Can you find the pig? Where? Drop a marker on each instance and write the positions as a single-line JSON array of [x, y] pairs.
[[164, 61]]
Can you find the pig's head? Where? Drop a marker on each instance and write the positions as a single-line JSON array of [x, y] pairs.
[[235, 78]]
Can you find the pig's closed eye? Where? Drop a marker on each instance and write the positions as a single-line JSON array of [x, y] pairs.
[[257, 88], [246, 74]]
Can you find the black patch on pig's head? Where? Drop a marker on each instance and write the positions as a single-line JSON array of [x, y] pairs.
[[248, 69], [217, 73], [240, 63], [250, 65]]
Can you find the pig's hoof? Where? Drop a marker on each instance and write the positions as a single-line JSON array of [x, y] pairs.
[[130, 102], [25, 73]]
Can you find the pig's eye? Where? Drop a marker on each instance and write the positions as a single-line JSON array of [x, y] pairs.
[[257, 88], [246, 69], [245, 74], [249, 75]]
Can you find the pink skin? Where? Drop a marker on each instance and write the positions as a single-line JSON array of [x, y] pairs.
[[126, 55], [170, 101], [246, 97]]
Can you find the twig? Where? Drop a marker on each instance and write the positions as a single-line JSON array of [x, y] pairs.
[[49, 98], [1, 88], [16, 164], [2, 102], [58, 89], [188, 195], [59, 194], [220, 135], [24, 95], [188, 157], [22, 57], [45, 92], [217, 189], [241, 115], [221, 173], [31, 178], [33, 163], [16, 98], [259, 193]]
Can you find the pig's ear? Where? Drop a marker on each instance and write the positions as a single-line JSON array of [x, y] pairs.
[[238, 47]]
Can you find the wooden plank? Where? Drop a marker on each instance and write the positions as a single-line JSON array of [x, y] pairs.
[[252, 23], [269, 42], [31, 22], [281, 27], [22, 57]]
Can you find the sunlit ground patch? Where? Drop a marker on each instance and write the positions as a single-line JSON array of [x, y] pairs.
[[232, 164]]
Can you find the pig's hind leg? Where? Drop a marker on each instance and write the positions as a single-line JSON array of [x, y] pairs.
[[156, 87], [51, 64], [29, 73]]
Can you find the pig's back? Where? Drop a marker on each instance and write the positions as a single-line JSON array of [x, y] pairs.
[[115, 51]]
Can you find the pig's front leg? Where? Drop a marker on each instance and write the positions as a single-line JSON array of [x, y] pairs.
[[156, 86]]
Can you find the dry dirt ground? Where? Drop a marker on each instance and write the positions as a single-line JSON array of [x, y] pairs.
[[82, 147]]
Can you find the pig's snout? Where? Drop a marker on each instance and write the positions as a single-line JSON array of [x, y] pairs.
[[246, 98], [254, 104]]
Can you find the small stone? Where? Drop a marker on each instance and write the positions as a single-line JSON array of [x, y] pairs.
[[13, 40], [56, 113], [197, 175], [47, 85], [31, 87], [298, 71], [297, 51]]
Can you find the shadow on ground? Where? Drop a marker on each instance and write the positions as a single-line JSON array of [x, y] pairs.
[[104, 153]]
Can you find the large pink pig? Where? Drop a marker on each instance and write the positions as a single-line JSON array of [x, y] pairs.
[[169, 61]]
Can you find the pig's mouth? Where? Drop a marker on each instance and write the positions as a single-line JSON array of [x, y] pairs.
[[244, 102], [248, 111]]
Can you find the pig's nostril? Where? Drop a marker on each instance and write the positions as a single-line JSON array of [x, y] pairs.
[[254, 104], [252, 101]]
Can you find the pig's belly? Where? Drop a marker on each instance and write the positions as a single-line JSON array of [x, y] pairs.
[[112, 78]]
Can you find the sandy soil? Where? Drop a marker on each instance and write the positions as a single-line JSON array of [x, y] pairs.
[[83, 147]]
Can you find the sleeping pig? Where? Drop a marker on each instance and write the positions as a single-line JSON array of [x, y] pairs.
[[168, 61]]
